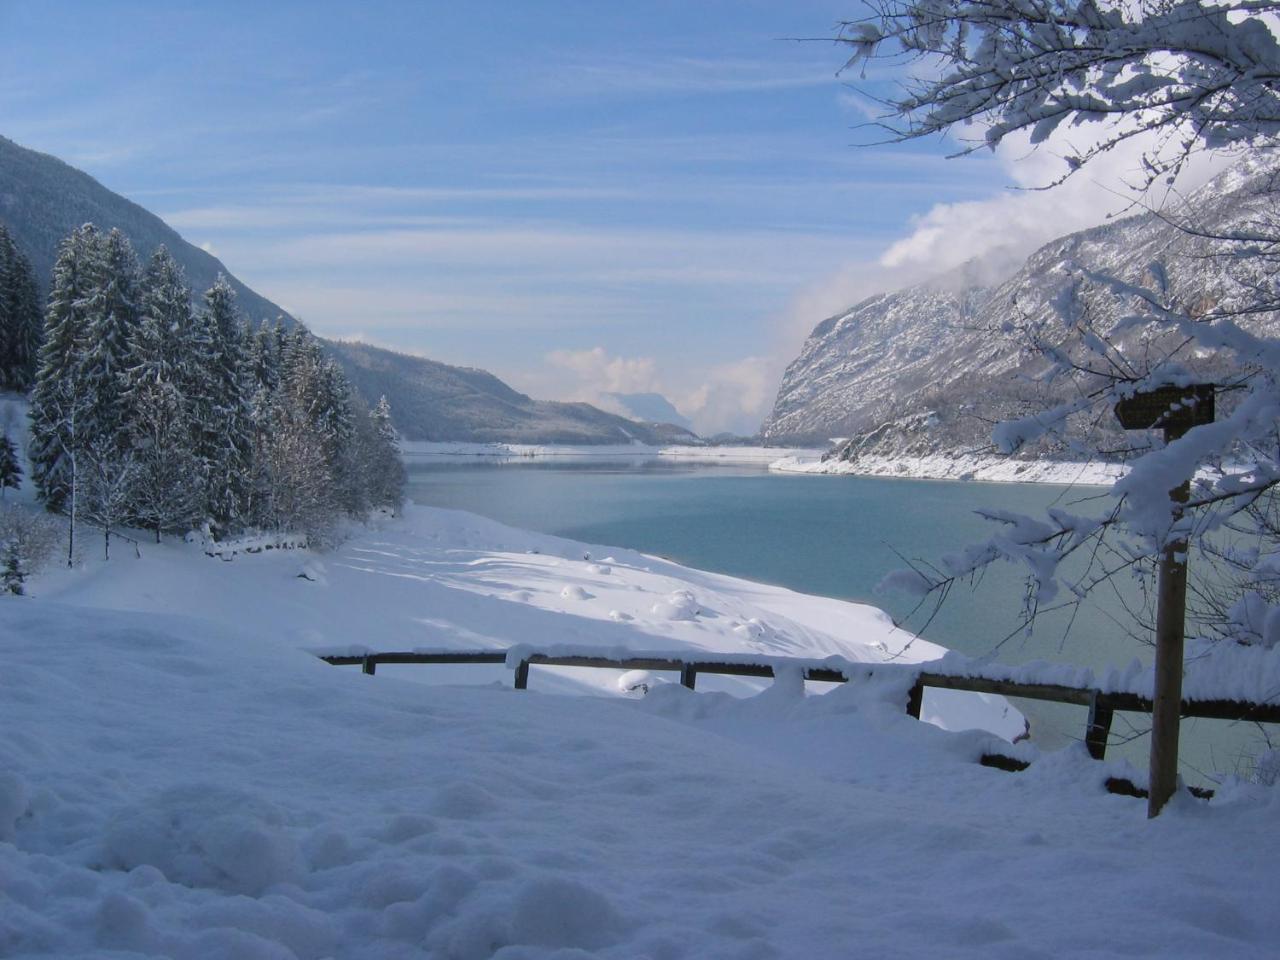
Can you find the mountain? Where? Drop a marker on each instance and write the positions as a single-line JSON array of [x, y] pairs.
[[927, 368], [43, 199], [645, 408], [435, 401]]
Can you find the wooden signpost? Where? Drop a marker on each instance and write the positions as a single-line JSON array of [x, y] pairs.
[[1175, 410]]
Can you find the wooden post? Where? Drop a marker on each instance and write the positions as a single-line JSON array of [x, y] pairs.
[[522, 675], [1176, 410], [368, 665], [1096, 733], [688, 675], [915, 700], [1166, 705]]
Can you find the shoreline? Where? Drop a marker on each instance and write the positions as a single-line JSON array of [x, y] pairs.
[[983, 468], [795, 461]]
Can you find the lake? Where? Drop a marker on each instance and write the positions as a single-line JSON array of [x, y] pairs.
[[835, 536]]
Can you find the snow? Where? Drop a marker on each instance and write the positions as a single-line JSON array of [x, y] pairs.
[[180, 777], [958, 466], [202, 792]]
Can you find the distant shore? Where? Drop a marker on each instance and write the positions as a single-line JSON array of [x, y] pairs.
[[415, 449], [983, 467]]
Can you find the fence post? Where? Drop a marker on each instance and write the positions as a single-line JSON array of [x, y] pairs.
[[1098, 730], [915, 699], [522, 675], [688, 675], [369, 665]]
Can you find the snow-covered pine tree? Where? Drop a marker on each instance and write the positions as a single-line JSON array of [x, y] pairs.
[[224, 439], [282, 336], [56, 401], [105, 355], [20, 318], [301, 490], [307, 433], [10, 469], [164, 321], [264, 359], [385, 469], [14, 576], [166, 485], [337, 425]]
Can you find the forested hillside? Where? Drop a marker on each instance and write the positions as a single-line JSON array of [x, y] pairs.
[[147, 411]]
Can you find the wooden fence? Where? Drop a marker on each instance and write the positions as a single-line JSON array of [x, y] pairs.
[[1102, 705]]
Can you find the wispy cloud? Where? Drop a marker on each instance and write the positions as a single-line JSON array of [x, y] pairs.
[[647, 76]]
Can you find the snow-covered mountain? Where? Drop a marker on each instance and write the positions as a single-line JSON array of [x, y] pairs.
[[42, 199], [925, 369]]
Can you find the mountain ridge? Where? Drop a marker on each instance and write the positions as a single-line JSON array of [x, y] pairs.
[[43, 198]]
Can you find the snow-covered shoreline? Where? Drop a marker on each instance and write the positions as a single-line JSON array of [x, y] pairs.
[[784, 460], [438, 579], [982, 467]]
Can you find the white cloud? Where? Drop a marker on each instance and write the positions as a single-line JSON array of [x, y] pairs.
[[598, 372], [732, 397], [735, 397], [1008, 226]]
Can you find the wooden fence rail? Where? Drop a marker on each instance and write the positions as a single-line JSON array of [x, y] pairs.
[[1102, 705]]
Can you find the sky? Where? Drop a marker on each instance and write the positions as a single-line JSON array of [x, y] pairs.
[[580, 197]]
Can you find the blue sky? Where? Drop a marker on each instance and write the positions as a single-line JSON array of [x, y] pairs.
[[580, 197]]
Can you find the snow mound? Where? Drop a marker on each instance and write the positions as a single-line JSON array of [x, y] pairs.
[[562, 913], [205, 835], [677, 605]]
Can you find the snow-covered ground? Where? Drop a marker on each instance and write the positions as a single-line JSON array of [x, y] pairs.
[[707, 454], [180, 778], [960, 466], [444, 579]]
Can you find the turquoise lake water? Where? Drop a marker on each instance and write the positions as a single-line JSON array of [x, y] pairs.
[[832, 536]]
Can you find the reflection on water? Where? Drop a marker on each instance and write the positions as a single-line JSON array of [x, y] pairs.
[[833, 536]]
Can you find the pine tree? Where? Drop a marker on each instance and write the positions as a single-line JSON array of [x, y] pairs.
[[264, 360], [14, 574], [166, 489], [385, 469], [106, 354], [166, 486], [224, 441], [300, 488], [164, 322], [20, 319], [57, 402], [10, 469]]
